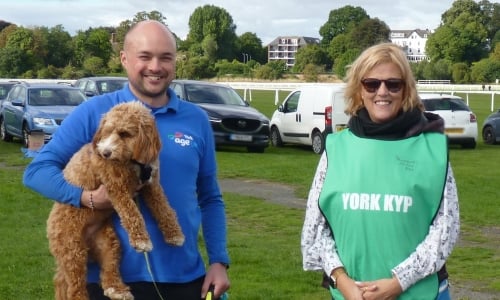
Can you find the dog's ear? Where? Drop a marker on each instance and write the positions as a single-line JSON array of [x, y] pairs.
[[98, 134], [148, 145]]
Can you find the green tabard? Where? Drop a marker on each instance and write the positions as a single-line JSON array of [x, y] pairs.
[[380, 198]]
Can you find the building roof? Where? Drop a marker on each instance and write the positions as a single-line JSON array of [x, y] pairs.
[[423, 33]]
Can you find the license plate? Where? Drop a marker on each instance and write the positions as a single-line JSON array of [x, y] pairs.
[[240, 137], [454, 130]]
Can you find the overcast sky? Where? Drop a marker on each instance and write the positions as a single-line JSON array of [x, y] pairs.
[[268, 19]]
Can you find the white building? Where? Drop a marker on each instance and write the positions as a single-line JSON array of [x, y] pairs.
[[286, 47], [412, 41]]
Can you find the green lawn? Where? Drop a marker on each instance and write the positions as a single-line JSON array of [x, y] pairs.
[[264, 238]]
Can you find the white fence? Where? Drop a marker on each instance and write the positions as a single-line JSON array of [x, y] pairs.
[[452, 89]]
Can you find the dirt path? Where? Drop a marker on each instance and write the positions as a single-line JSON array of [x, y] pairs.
[[285, 195]]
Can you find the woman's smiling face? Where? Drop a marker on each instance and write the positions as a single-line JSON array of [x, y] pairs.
[[383, 105]]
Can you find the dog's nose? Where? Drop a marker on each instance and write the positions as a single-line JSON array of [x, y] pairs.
[[106, 153]]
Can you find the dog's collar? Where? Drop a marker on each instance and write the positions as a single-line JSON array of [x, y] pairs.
[[146, 170]]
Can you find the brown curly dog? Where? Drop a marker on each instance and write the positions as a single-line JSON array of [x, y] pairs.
[[122, 155]]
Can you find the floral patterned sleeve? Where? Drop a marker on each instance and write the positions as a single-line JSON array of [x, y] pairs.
[[317, 244], [432, 253]]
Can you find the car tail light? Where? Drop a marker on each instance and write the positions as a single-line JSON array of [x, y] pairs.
[[473, 118], [328, 115]]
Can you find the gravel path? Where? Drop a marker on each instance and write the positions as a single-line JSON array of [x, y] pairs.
[[285, 195]]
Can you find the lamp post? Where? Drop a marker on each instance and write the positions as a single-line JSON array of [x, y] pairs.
[[245, 57]]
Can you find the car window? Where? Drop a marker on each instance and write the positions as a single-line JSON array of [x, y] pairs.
[[177, 89], [13, 93], [292, 103], [213, 94], [48, 97], [445, 104], [110, 86], [4, 90]]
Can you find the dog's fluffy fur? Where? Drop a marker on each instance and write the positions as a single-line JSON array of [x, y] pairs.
[[126, 141]]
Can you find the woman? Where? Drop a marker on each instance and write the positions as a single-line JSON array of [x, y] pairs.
[[382, 214]]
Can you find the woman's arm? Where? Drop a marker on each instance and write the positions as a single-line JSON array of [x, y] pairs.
[[317, 244], [431, 254]]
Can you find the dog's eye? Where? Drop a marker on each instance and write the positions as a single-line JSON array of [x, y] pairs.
[[124, 134]]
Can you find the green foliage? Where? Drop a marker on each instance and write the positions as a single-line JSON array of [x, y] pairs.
[[462, 37], [486, 70], [94, 66], [310, 54], [460, 73], [271, 71], [216, 22], [341, 21]]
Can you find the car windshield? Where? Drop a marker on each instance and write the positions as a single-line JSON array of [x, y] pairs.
[[213, 94], [110, 85], [445, 104], [53, 96]]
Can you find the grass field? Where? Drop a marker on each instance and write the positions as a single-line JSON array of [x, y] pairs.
[[263, 238]]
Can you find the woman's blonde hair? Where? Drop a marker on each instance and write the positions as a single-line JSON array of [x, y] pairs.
[[369, 59]]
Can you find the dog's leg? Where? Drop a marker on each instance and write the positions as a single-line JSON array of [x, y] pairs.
[[130, 217], [68, 248], [60, 285], [164, 214], [106, 251]]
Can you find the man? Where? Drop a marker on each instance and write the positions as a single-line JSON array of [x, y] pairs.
[[187, 173]]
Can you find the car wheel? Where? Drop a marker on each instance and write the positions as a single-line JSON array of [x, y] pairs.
[[489, 135], [3, 132], [26, 136], [318, 142], [253, 149], [276, 137]]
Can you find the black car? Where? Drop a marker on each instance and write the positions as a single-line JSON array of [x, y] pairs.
[[491, 128], [92, 86], [233, 121]]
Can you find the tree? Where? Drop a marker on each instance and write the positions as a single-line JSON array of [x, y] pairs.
[[125, 25], [462, 37], [310, 54], [341, 21], [248, 43], [369, 32], [216, 23], [59, 47]]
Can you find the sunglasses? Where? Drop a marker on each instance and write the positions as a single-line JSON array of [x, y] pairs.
[[372, 85]]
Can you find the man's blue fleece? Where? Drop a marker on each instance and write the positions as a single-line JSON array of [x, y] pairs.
[[188, 174]]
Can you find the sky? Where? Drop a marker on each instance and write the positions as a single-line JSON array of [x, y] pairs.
[[268, 19]]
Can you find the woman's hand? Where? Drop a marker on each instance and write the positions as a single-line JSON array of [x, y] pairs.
[[382, 289]]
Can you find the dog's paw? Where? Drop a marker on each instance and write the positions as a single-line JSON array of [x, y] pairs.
[[176, 240], [114, 294], [143, 246]]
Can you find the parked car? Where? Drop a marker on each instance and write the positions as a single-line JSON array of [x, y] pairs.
[[92, 86], [460, 123], [491, 128], [36, 107], [308, 114], [5, 87], [233, 121]]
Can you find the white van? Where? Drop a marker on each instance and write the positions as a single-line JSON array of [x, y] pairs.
[[308, 114]]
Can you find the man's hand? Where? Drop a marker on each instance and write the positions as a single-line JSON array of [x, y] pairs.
[[96, 199], [216, 276]]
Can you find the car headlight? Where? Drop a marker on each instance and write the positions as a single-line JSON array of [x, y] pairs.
[[42, 121]]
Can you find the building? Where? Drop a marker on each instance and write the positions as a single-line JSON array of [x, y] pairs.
[[412, 42], [286, 47]]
